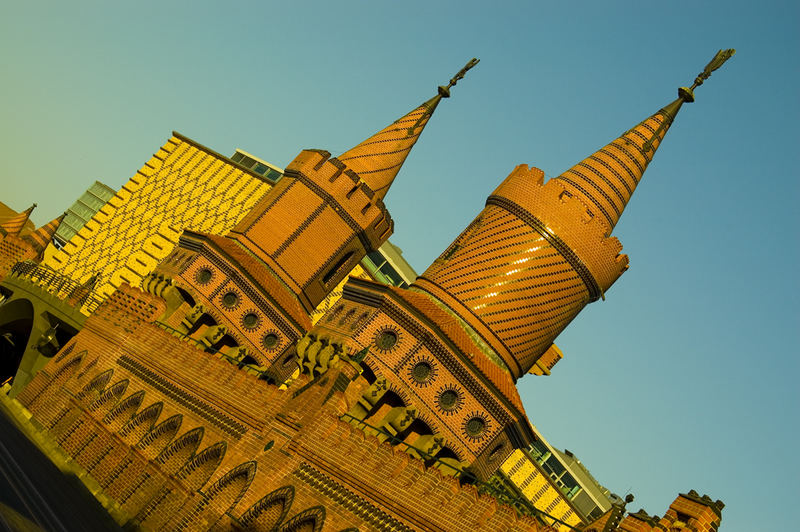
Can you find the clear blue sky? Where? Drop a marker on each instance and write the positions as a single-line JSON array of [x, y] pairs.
[[685, 377]]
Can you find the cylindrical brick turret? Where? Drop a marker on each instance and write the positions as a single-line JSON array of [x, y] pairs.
[[538, 253]]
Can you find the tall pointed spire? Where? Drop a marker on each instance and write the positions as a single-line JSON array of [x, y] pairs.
[[44, 235], [605, 180], [378, 159], [14, 225]]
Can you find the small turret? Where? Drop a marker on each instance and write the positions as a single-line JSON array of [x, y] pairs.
[[378, 159], [15, 224], [539, 252], [40, 238]]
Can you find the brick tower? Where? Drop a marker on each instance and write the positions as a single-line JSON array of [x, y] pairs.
[[17, 246], [207, 401], [443, 356], [539, 252], [249, 293]]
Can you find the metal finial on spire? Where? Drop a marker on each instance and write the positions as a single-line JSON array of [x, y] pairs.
[[445, 91], [687, 93]]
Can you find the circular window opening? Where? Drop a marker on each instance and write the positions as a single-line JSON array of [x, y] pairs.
[[387, 340], [449, 400], [270, 341], [204, 276], [230, 299], [250, 320], [421, 372], [476, 426]]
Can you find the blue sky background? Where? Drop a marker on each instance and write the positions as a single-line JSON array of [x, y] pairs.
[[686, 376]]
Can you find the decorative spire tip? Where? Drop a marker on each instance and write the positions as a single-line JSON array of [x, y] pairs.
[[687, 93], [444, 92]]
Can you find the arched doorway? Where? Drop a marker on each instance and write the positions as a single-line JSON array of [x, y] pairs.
[[16, 323]]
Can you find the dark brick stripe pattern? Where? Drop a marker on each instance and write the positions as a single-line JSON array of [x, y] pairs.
[[194, 404], [378, 159], [516, 280], [605, 181]]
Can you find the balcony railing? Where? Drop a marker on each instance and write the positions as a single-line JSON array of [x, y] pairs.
[[58, 285]]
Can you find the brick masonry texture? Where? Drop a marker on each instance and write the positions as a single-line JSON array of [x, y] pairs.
[[230, 376]]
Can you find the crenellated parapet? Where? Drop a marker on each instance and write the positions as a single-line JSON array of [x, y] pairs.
[[524, 268], [578, 235], [365, 210], [317, 223]]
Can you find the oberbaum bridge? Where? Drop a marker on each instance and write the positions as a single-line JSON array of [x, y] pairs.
[[226, 345]]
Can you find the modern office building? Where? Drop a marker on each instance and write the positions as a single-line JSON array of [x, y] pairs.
[[84, 208]]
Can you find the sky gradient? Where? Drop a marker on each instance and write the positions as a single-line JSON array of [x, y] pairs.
[[685, 376]]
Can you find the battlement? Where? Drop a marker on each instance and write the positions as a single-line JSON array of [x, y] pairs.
[[565, 217], [331, 177]]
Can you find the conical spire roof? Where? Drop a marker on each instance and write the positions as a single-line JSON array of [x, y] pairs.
[[44, 235], [378, 159], [605, 180], [14, 225]]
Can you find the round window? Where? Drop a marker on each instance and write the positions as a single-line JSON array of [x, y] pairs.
[[204, 276], [421, 372], [270, 341], [449, 400], [250, 320], [475, 426], [230, 300], [386, 340]]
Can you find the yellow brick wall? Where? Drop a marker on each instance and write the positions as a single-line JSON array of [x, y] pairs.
[[183, 185], [538, 489]]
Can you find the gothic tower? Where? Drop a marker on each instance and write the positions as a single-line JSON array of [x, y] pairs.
[[249, 294], [443, 355], [539, 252]]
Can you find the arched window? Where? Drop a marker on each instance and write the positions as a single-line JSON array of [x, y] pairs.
[[269, 511], [157, 439], [196, 473], [310, 520], [109, 398], [142, 423], [179, 452], [124, 411]]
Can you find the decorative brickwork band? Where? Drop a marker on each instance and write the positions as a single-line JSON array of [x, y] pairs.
[[586, 276]]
